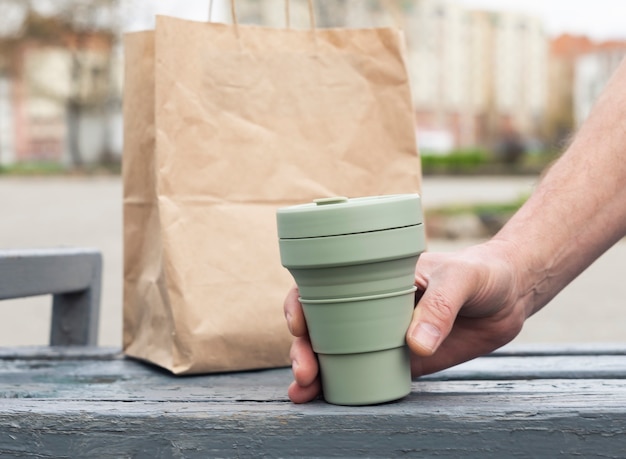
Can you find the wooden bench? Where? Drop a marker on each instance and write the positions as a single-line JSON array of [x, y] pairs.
[[90, 402], [73, 277], [84, 401]]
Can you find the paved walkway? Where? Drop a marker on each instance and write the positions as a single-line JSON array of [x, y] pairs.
[[88, 212], [437, 191], [52, 212]]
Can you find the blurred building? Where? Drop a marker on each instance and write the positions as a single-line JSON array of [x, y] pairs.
[[7, 148], [593, 69], [37, 88], [564, 52], [579, 68], [478, 75], [60, 94], [447, 87]]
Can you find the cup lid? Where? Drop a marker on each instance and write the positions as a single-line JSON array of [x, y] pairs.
[[340, 215]]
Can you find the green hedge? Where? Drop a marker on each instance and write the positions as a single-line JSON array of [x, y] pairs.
[[509, 207], [483, 162], [458, 160], [33, 168]]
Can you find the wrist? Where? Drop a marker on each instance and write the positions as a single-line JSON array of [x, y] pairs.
[[523, 277]]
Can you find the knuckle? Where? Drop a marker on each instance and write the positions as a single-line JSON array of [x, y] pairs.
[[441, 309], [295, 352], [291, 300]]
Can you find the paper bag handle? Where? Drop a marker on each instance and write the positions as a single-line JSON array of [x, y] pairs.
[[311, 15], [233, 11]]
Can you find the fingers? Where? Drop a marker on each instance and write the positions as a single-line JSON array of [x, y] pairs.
[[299, 394], [303, 362], [304, 366], [293, 314], [471, 337], [445, 292], [432, 321], [467, 340], [305, 370]]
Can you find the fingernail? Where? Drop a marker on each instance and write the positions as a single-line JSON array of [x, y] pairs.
[[426, 336], [288, 317]]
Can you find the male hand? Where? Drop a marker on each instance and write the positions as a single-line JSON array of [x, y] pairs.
[[470, 303]]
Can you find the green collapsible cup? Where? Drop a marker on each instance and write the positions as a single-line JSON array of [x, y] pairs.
[[354, 263]]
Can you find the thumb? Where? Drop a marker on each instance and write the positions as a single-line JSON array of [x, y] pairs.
[[445, 292]]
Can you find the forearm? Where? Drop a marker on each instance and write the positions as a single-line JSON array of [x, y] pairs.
[[579, 208]]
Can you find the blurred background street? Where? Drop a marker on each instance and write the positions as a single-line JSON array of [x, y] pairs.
[[499, 88]]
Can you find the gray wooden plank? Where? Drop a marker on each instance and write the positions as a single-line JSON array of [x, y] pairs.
[[507, 367], [446, 426], [53, 353], [127, 380], [539, 349]]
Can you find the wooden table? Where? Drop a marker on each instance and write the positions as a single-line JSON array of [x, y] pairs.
[[526, 402]]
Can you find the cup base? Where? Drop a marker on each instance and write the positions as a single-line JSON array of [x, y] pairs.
[[366, 378]]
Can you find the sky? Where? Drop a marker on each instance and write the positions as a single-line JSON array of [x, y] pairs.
[[599, 19]]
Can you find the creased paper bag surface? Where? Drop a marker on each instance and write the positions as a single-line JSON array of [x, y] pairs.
[[223, 125]]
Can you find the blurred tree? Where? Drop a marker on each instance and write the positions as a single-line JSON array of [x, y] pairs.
[[88, 30]]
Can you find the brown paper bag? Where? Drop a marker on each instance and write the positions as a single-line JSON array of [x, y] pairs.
[[223, 125]]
